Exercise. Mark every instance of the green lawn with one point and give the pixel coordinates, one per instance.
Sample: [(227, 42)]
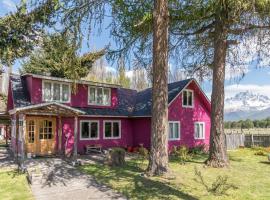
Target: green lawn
[(13, 186), (250, 174)]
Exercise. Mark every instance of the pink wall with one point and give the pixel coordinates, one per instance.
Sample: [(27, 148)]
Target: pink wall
[(78, 99), (68, 132), (10, 105), (187, 118)]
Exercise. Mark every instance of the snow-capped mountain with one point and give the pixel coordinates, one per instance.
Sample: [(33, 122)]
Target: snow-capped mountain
[(247, 105)]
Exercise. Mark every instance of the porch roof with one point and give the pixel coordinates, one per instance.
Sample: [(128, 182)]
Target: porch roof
[(51, 108)]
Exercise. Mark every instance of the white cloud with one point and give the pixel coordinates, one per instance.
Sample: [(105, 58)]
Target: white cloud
[(232, 90), (9, 5)]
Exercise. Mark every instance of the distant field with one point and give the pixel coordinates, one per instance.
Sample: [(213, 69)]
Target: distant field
[(249, 131)]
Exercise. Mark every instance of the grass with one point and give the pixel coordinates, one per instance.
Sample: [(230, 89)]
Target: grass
[(13, 185), (247, 172)]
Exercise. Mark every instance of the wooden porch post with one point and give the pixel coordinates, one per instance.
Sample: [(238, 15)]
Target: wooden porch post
[(60, 132), (22, 129), (75, 137)]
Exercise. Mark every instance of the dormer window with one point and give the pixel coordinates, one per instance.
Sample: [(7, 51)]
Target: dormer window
[(187, 98), (99, 96), (55, 91)]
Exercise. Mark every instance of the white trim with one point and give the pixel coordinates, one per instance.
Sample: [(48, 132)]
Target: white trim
[(72, 81), (89, 124), (179, 130), (201, 138), (112, 121), (188, 106), (96, 89), (52, 91), (13, 111)]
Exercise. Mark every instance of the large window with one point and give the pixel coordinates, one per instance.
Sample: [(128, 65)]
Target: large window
[(174, 130), (89, 130), (99, 96), (54, 91), (199, 130), (112, 129), (187, 98)]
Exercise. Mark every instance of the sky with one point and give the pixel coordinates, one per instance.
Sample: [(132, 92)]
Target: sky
[(256, 80)]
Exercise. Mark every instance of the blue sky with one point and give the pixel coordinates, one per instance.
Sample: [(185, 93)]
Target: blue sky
[(256, 80)]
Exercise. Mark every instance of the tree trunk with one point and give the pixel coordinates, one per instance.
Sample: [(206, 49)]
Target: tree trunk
[(218, 151), (158, 159)]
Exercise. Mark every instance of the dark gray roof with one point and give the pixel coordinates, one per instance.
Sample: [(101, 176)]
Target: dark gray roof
[(130, 102), (143, 104), (19, 90)]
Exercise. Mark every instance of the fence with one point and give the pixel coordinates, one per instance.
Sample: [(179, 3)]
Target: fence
[(234, 141)]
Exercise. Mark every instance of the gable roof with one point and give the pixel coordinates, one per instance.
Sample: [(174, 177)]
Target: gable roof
[(143, 104), (130, 102)]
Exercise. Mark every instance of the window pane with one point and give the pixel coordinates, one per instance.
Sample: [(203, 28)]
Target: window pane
[(116, 129), (201, 130), (108, 129), (94, 130), (92, 98), (190, 98), (65, 92), (185, 98), (56, 92), (47, 91), (99, 96), (197, 129), (106, 97), (85, 130), (176, 130), (170, 130)]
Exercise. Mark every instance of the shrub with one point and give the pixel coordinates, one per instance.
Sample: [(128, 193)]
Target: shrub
[(260, 153), (116, 157), (219, 187), (182, 153), (199, 149), (143, 152)]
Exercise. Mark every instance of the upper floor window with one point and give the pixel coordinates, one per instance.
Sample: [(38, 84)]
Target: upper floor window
[(199, 130), (99, 96), (188, 98), (54, 91), (174, 130)]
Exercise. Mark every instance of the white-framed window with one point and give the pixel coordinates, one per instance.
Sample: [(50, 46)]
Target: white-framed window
[(99, 96), (199, 132), (56, 91), (174, 130), (188, 98), (89, 130), (111, 129)]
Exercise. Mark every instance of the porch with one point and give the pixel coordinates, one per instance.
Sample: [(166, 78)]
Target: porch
[(37, 130)]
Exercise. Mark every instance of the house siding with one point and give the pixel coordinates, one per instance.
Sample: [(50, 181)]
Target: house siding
[(68, 134), (78, 99)]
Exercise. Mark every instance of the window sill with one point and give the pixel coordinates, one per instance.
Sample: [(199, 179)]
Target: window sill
[(86, 139), (112, 138), (175, 139)]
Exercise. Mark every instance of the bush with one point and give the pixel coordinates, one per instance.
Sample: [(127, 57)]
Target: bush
[(199, 149), (182, 153), (260, 153), (143, 152), (116, 157), (219, 187)]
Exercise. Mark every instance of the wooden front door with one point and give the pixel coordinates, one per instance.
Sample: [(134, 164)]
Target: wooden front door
[(40, 136)]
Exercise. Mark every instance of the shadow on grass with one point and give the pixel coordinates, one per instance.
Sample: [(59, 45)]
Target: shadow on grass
[(265, 162), (129, 181)]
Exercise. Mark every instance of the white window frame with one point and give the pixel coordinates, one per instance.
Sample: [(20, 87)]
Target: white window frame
[(89, 124), (112, 121), (203, 134), (179, 130), (95, 103), (52, 89), (188, 106)]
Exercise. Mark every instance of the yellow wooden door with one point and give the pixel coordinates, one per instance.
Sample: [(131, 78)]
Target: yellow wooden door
[(40, 135), (31, 136)]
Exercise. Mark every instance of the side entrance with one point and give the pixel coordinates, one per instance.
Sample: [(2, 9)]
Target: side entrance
[(40, 136)]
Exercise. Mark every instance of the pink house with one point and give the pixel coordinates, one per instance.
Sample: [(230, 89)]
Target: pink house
[(55, 115)]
